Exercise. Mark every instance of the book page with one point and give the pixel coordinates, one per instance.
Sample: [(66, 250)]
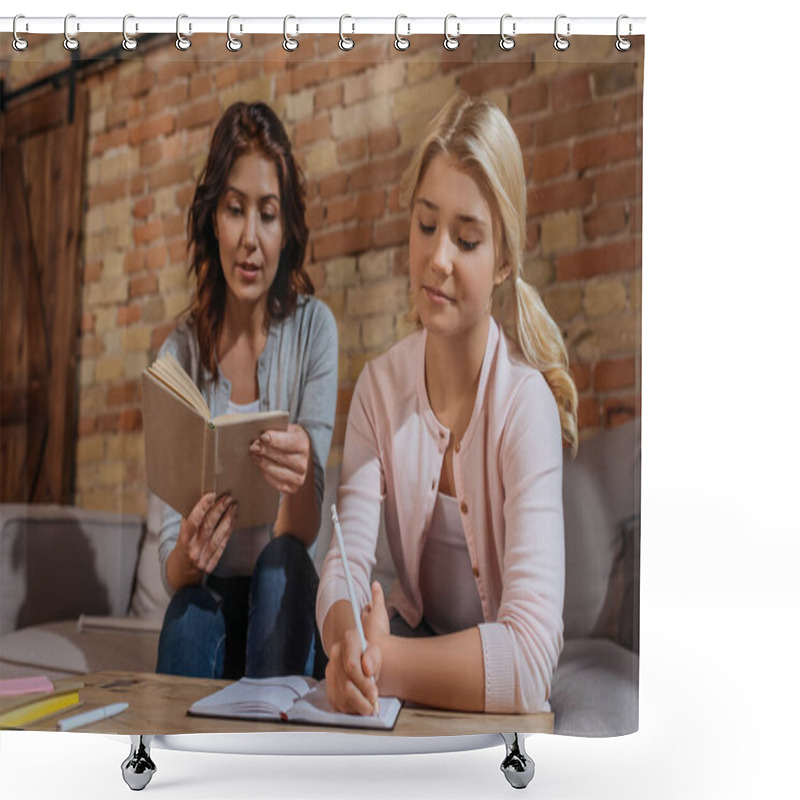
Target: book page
[(174, 376), (174, 445), (254, 698), (272, 420), (315, 708)]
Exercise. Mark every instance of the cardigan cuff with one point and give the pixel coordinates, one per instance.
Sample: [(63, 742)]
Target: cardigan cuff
[(498, 669)]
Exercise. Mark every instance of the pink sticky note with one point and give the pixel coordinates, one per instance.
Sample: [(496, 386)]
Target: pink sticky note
[(12, 686)]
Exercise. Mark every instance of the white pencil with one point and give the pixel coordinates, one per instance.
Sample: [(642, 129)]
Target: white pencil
[(350, 588), (88, 717), (351, 591)]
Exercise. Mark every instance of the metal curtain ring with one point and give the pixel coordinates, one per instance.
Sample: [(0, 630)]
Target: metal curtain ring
[(182, 43), (507, 42), (623, 44), (400, 42), (233, 44), (289, 44), (560, 42), (70, 42), (128, 42), (345, 42), (451, 42), (19, 44)]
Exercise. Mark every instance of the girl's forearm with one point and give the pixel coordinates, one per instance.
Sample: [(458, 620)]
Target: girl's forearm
[(338, 620), (438, 671)]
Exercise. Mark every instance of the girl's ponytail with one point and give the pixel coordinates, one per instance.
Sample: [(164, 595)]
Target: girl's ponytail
[(541, 343)]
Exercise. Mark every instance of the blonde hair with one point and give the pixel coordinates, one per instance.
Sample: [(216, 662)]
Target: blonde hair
[(479, 137)]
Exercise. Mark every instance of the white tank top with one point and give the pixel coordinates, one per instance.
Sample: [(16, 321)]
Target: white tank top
[(450, 599), (247, 408)]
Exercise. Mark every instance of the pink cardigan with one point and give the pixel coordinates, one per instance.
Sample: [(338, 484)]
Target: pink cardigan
[(507, 470)]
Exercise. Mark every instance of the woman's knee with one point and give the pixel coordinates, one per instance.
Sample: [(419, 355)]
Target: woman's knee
[(189, 608), (192, 597), (193, 635), (281, 632), (287, 554)]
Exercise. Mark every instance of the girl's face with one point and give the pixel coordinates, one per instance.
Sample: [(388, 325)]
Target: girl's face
[(453, 251), (249, 229)]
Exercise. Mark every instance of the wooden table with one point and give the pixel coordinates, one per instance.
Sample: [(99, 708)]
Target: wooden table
[(158, 705)]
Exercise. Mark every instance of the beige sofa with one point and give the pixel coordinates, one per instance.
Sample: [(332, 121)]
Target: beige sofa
[(80, 591)]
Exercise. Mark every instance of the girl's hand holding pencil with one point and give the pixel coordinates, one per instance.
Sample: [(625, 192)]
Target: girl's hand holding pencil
[(352, 673), (350, 681), (355, 658)]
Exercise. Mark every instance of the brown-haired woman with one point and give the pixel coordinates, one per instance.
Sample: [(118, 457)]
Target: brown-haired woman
[(253, 339)]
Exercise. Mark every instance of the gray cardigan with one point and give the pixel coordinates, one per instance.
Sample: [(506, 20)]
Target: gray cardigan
[(297, 372)]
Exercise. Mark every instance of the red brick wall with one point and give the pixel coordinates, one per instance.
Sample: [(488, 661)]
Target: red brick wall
[(354, 119)]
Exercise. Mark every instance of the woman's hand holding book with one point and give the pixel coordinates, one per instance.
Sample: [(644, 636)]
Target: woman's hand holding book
[(284, 457), (203, 536)]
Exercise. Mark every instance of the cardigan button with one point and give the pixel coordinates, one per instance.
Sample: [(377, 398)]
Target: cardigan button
[(463, 508), (476, 572), (458, 446)]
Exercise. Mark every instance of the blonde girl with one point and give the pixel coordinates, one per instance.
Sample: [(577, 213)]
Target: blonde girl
[(457, 432)]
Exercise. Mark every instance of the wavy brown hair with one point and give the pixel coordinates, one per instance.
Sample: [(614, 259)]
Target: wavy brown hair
[(244, 128)]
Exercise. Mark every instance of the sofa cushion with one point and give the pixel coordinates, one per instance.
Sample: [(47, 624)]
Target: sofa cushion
[(601, 495), (619, 617), (58, 562), (60, 648), (596, 689)]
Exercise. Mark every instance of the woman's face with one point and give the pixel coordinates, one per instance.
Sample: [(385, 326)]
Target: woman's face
[(249, 228), (453, 249)]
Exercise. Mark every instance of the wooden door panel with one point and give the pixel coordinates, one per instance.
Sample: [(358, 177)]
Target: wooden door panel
[(40, 215), (25, 357)]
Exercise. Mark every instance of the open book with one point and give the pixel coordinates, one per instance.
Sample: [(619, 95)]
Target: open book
[(294, 698), (187, 454)]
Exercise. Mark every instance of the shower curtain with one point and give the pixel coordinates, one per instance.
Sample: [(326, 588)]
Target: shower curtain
[(101, 151)]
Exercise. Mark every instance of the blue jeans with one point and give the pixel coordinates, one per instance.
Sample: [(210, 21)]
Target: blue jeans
[(260, 626)]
